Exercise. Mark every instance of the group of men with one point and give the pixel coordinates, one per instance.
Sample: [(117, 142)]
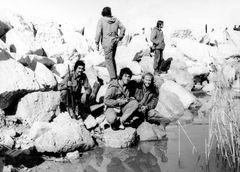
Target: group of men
[(126, 100)]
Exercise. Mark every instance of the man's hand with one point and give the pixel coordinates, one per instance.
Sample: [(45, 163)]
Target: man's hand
[(97, 47), (122, 101), (69, 83), (84, 98), (144, 109)]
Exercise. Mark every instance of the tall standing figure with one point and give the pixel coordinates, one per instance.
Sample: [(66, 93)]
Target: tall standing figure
[(107, 32), (157, 39)]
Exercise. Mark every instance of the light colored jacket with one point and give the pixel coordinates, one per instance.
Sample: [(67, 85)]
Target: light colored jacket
[(157, 38), (107, 31)]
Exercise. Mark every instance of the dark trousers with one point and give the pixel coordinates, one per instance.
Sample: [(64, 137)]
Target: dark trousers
[(110, 62), (80, 108), (158, 59)]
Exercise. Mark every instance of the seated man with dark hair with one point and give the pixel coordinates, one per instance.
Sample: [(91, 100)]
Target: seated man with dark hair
[(118, 100), (79, 101)]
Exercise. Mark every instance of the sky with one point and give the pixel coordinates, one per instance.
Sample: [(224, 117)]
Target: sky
[(134, 14)]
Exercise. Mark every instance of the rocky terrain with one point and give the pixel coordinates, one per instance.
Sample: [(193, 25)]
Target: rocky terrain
[(34, 58)]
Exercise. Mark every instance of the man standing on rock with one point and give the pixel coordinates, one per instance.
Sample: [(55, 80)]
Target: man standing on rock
[(157, 39), (118, 100), (76, 92), (107, 33)]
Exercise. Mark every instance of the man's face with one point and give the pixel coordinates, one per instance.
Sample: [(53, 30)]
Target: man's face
[(147, 80), (79, 70), (126, 78), (160, 25)]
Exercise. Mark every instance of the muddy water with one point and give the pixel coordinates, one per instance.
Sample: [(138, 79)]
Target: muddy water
[(152, 156)]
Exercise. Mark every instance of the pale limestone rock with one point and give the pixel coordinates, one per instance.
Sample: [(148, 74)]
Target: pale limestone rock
[(38, 106), (148, 132), (147, 64), (16, 80), (169, 106), (90, 122), (120, 138), (60, 70), (18, 42), (44, 76), (73, 155), (38, 129), (185, 96), (66, 135)]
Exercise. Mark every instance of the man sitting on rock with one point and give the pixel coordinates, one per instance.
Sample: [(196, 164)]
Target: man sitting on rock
[(73, 97), (118, 100), (147, 94)]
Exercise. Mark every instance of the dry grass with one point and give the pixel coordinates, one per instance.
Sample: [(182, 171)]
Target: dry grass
[(224, 123)]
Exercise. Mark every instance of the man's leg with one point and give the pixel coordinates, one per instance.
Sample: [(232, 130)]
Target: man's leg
[(96, 87), (156, 61), (110, 62), (161, 60), (128, 110), (111, 115)]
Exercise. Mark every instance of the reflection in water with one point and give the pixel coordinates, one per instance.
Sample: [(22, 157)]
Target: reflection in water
[(145, 160), (144, 157), (152, 156)]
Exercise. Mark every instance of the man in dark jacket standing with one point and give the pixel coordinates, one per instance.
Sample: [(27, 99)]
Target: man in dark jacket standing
[(107, 33), (157, 39)]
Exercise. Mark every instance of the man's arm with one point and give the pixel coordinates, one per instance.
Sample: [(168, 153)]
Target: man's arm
[(153, 37), (87, 86), (109, 98), (154, 101), (98, 32)]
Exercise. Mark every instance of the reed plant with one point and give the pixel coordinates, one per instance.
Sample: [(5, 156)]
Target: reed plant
[(224, 128)]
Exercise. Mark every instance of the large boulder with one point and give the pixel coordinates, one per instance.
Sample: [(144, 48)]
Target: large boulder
[(44, 76), (149, 132), (119, 138), (31, 61), (93, 58), (185, 96), (38, 106), (195, 51), (169, 107), (180, 74), (4, 28), (146, 64), (65, 135), (18, 42), (16, 80)]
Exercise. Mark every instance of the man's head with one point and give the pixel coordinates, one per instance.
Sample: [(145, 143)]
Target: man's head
[(160, 24), (79, 67), (147, 79), (106, 12), (125, 75)]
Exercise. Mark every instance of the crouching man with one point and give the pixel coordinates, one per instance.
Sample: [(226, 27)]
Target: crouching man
[(118, 101), (76, 92), (147, 95)]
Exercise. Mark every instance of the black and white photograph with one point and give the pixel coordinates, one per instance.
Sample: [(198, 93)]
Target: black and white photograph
[(120, 86)]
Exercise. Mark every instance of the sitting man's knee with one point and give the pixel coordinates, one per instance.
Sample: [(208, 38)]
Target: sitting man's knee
[(134, 103), (111, 115)]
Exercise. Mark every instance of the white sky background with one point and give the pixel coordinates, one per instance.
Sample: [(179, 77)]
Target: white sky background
[(134, 14)]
